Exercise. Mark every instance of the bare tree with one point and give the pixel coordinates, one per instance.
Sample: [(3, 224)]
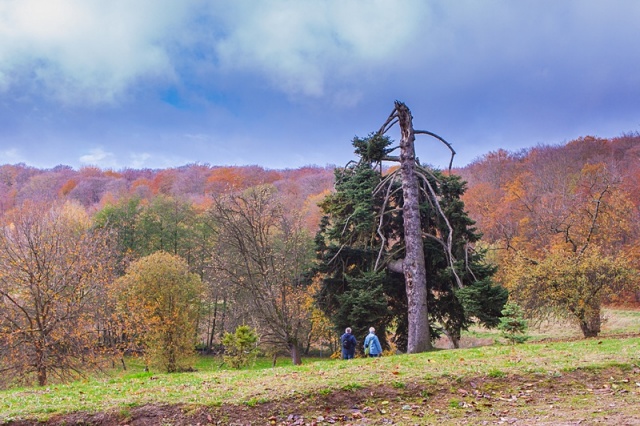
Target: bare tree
[(263, 252), (53, 270)]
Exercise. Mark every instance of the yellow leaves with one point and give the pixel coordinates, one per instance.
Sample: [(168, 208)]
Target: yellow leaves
[(53, 271), (569, 283), (159, 301)]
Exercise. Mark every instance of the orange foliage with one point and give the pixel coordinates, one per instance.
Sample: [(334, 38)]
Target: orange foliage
[(226, 179), (312, 212), (90, 171), (142, 182), (68, 187), (55, 272), (163, 181), (552, 198), (112, 174)]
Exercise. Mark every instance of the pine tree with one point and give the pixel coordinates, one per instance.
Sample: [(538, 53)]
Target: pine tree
[(240, 347), (513, 326), (361, 236)]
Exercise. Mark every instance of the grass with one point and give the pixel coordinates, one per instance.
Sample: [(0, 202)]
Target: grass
[(615, 322), (250, 387), (214, 385)]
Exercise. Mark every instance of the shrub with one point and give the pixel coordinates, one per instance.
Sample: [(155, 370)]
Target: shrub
[(240, 348), (513, 326)]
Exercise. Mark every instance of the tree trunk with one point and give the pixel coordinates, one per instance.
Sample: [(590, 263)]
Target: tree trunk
[(40, 362), (590, 324), (296, 356), (42, 375), (414, 266), (454, 338), (224, 314), (213, 323)]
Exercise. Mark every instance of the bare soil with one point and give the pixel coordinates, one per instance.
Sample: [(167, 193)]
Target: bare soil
[(584, 397)]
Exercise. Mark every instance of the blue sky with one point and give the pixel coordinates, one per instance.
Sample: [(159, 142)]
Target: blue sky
[(288, 83)]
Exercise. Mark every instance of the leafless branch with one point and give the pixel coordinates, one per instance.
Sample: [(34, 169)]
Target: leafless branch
[(449, 243), (391, 121), (592, 228), (426, 132), (379, 230), (383, 182)]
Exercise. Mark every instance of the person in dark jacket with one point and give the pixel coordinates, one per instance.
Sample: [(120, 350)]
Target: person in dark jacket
[(348, 342), (372, 343)]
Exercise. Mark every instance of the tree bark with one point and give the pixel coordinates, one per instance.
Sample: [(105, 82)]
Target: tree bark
[(213, 324), (419, 339), (41, 365), (296, 355), (590, 324)]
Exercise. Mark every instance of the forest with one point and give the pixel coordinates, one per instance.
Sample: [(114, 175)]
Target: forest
[(97, 264)]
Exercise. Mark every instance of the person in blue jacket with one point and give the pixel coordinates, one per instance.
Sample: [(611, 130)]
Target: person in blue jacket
[(348, 342), (372, 342)]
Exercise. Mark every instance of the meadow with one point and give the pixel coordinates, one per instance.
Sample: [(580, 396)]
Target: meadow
[(556, 377)]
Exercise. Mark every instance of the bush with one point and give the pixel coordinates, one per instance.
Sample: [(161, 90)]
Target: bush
[(159, 301), (513, 326), (240, 348)]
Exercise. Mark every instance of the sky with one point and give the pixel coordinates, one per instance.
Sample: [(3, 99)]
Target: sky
[(289, 83)]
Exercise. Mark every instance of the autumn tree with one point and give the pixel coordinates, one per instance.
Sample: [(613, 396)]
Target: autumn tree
[(262, 253), (573, 285), (54, 270), (159, 302), (559, 216)]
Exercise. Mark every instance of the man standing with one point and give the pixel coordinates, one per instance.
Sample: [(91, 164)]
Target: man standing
[(349, 343)]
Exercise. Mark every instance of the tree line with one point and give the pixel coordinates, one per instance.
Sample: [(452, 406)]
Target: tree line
[(562, 224)]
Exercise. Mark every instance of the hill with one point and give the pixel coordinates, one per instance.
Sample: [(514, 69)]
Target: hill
[(592, 381)]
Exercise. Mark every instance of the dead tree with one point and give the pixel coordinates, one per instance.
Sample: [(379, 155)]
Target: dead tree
[(413, 264)]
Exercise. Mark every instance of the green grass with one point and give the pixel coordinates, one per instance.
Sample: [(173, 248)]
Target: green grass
[(250, 387), (214, 385)]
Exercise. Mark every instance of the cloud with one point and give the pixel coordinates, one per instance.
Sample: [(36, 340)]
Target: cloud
[(11, 155), (301, 47), (139, 161), (81, 51), (99, 157), (465, 60)]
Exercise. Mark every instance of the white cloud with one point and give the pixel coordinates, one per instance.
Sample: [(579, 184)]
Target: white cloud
[(12, 156), (95, 51), (99, 157), (85, 50), (302, 45), (139, 160)]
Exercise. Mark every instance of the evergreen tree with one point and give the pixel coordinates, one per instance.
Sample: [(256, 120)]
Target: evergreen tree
[(361, 236), (240, 347), (513, 326)]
